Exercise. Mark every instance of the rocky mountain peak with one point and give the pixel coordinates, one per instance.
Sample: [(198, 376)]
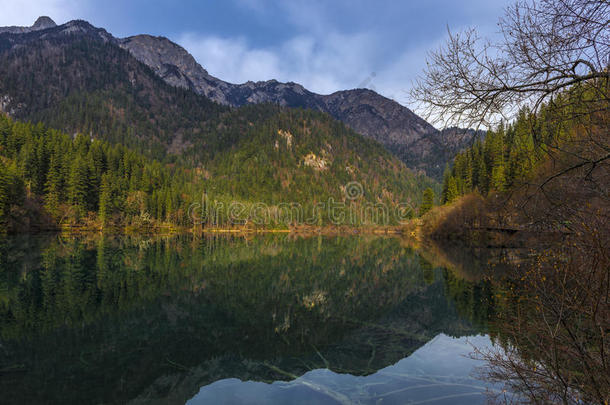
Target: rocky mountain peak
[(174, 65), (43, 22), (45, 28)]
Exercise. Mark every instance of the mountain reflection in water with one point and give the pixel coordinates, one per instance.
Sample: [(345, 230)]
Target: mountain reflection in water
[(172, 319), (438, 372)]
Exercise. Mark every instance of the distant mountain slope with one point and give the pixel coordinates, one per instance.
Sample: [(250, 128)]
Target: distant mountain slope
[(75, 77), (365, 111)]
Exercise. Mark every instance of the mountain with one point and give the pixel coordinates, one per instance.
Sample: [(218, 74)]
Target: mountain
[(78, 79), (400, 130), (365, 111)]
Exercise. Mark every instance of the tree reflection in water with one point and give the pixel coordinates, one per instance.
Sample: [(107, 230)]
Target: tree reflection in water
[(113, 319)]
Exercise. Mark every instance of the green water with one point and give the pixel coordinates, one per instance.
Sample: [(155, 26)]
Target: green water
[(273, 319)]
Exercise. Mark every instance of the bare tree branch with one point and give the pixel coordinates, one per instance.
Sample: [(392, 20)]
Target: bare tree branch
[(546, 47)]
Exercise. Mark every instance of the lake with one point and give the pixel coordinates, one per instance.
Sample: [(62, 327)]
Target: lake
[(229, 320)]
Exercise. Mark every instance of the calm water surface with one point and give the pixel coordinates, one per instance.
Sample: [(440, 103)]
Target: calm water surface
[(272, 319)]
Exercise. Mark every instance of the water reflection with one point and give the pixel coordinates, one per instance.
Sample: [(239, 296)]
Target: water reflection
[(147, 320), (434, 373)]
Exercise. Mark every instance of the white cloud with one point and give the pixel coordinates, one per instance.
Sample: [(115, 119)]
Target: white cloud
[(230, 58), (324, 59), (308, 14), (25, 12), (395, 79), (325, 64)]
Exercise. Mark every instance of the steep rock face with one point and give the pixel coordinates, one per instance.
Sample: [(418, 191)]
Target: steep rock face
[(41, 23), (176, 66), (364, 110), (377, 117)]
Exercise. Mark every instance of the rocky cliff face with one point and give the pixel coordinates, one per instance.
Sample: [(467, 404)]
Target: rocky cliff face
[(377, 117), (176, 66), (41, 23)]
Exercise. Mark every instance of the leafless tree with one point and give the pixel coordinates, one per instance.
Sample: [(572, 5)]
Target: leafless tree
[(545, 47)]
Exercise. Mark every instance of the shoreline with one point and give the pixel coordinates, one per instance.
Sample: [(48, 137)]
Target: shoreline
[(177, 230)]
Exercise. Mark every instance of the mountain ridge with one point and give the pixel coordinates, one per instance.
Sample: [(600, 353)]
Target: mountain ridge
[(396, 127), (413, 140)]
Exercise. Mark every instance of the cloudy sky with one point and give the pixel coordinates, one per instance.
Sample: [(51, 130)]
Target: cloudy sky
[(324, 45)]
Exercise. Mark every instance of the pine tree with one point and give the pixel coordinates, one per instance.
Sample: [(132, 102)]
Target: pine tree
[(446, 176), (522, 153), (452, 191), (4, 197), (482, 179), (53, 186), (77, 185), (12, 189), (497, 180), (466, 173), (105, 209), (427, 201)]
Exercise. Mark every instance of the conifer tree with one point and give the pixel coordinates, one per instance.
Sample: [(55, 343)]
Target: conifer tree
[(4, 197), (522, 153), (77, 185), (105, 204), (497, 180), (452, 191), (427, 201), (446, 176), (482, 176), (53, 186)]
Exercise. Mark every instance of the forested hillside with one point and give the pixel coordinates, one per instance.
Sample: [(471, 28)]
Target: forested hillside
[(48, 178), (517, 154), (80, 78), (46, 173), (400, 130)]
